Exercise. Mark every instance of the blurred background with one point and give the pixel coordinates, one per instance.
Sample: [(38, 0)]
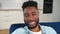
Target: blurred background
[(11, 12)]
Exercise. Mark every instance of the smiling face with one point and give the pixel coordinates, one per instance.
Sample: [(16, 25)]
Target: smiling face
[(31, 16)]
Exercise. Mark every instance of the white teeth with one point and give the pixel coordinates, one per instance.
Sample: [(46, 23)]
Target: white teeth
[(32, 22)]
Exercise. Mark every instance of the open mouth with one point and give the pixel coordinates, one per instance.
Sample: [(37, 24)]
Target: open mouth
[(32, 23)]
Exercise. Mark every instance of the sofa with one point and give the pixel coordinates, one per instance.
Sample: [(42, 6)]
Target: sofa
[(54, 25)]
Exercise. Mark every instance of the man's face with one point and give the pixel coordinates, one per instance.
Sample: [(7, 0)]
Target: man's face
[(31, 16)]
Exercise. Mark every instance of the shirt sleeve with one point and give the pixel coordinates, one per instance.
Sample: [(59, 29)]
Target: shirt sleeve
[(50, 30), (19, 31)]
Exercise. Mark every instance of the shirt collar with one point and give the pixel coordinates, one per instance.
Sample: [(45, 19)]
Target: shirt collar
[(42, 29)]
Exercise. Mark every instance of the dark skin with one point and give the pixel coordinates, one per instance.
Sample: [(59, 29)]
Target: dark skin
[(31, 18)]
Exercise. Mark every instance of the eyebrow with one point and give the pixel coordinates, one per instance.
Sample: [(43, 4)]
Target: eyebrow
[(33, 12), (25, 13)]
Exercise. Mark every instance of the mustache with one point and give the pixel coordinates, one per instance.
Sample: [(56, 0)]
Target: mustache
[(31, 21)]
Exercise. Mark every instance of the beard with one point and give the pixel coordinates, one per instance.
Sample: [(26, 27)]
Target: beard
[(32, 26)]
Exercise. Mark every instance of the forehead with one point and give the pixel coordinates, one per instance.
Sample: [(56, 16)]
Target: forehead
[(30, 9)]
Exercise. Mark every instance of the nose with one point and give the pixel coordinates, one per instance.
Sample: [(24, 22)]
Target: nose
[(31, 17)]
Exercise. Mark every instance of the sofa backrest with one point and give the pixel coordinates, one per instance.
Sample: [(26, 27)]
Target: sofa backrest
[(54, 25)]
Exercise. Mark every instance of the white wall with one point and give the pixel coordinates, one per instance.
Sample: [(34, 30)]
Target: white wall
[(11, 4), (9, 17), (55, 16)]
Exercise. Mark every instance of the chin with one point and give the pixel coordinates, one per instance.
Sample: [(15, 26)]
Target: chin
[(32, 27)]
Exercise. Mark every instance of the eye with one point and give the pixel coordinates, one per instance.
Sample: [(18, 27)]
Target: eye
[(34, 14), (26, 15)]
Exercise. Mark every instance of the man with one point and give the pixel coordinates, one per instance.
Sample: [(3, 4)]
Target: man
[(31, 18)]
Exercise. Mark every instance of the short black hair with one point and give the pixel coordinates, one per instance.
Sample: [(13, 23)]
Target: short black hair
[(29, 3)]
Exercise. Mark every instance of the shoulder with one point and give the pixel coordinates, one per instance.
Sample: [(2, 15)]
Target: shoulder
[(19, 30), (48, 29)]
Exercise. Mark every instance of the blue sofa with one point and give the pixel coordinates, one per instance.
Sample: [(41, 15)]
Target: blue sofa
[(55, 25)]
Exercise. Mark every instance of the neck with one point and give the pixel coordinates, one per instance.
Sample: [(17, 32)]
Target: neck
[(36, 29)]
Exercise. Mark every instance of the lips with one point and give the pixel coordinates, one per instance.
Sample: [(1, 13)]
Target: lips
[(32, 23)]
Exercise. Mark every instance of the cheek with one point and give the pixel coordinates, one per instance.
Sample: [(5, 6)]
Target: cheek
[(36, 17), (25, 18)]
